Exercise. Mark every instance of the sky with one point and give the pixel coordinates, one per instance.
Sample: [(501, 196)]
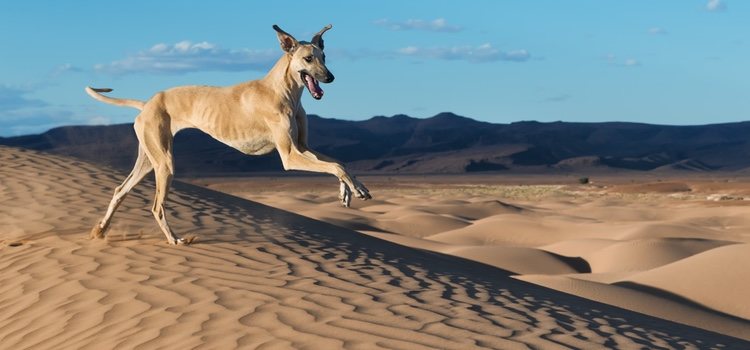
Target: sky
[(678, 62)]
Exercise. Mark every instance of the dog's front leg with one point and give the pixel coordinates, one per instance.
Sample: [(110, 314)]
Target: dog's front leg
[(345, 192), (294, 159)]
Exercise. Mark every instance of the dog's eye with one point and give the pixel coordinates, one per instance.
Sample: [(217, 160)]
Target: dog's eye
[(308, 59)]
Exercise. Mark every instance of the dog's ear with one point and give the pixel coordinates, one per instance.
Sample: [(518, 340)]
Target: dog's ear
[(317, 39), (287, 41)]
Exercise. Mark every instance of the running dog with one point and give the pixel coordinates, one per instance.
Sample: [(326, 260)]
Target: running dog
[(254, 117)]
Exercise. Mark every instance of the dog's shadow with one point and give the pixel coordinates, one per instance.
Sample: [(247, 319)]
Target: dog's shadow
[(487, 288)]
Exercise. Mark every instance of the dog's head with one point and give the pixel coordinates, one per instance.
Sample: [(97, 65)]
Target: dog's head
[(307, 59)]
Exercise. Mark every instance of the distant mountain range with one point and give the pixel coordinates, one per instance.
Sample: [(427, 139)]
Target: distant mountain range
[(445, 143)]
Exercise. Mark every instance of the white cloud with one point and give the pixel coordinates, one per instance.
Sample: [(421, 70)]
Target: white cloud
[(716, 5), (21, 115), (13, 98), (558, 98), (481, 53), (34, 120), (435, 25), (628, 62), (631, 62), (99, 120), (186, 56), (64, 68), (409, 50), (657, 31), (517, 55), (358, 54)]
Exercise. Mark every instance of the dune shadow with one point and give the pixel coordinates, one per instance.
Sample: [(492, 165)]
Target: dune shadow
[(677, 298), (580, 265), (487, 288)]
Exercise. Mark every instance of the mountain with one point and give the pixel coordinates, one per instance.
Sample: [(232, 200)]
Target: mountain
[(444, 143)]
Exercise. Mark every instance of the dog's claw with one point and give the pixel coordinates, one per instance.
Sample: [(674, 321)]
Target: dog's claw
[(345, 192), (187, 240), (362, 191)]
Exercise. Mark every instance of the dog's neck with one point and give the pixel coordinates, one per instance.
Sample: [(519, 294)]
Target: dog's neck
[(284, 81)]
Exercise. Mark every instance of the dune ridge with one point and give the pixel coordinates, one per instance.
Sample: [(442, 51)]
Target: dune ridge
[(260, 277)]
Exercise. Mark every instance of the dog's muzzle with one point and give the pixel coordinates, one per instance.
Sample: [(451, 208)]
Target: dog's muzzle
[(312, 85)]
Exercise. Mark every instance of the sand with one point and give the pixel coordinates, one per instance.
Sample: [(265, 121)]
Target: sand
[(652, 245), (263, 277)]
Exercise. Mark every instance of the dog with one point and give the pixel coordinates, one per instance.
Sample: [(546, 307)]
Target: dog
[(254, 117)]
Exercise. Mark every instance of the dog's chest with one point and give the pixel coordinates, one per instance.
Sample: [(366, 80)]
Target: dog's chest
[(255, 147)]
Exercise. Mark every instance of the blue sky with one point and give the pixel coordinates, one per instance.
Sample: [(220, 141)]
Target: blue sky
[(667, 61)]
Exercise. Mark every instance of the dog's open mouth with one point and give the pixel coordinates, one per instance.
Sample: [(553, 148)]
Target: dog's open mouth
[(313, 85)]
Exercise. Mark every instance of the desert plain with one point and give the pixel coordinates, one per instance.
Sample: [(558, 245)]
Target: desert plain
[(629, 260)]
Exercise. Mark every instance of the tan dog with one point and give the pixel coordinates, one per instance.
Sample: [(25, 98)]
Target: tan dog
[(253, 117)]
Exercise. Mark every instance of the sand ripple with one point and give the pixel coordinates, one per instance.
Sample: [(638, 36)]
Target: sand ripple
[(260, 277)]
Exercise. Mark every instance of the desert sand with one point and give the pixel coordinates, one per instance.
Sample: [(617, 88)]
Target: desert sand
[(657, 244), (464, 272)]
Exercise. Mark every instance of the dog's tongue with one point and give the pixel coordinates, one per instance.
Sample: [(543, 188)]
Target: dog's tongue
[(313, 86)]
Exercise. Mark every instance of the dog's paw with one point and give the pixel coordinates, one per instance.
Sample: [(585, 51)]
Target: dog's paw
[(345, 194), (97, 232), (361, 191), (182, 241)]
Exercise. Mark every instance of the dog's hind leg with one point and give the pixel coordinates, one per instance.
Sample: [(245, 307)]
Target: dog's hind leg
[(141, 168), (153, 128)]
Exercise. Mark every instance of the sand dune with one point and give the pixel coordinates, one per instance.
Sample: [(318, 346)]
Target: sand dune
[(646, 301), (516, 229), (606, 243), (646, 254), (716, 272), (519, 260), (260, 277), (420, 225)]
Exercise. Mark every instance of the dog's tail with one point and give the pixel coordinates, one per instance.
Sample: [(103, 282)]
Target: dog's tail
[(96, 94)]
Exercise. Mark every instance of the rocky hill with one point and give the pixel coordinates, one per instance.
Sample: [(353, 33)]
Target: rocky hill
[(444, 143)]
